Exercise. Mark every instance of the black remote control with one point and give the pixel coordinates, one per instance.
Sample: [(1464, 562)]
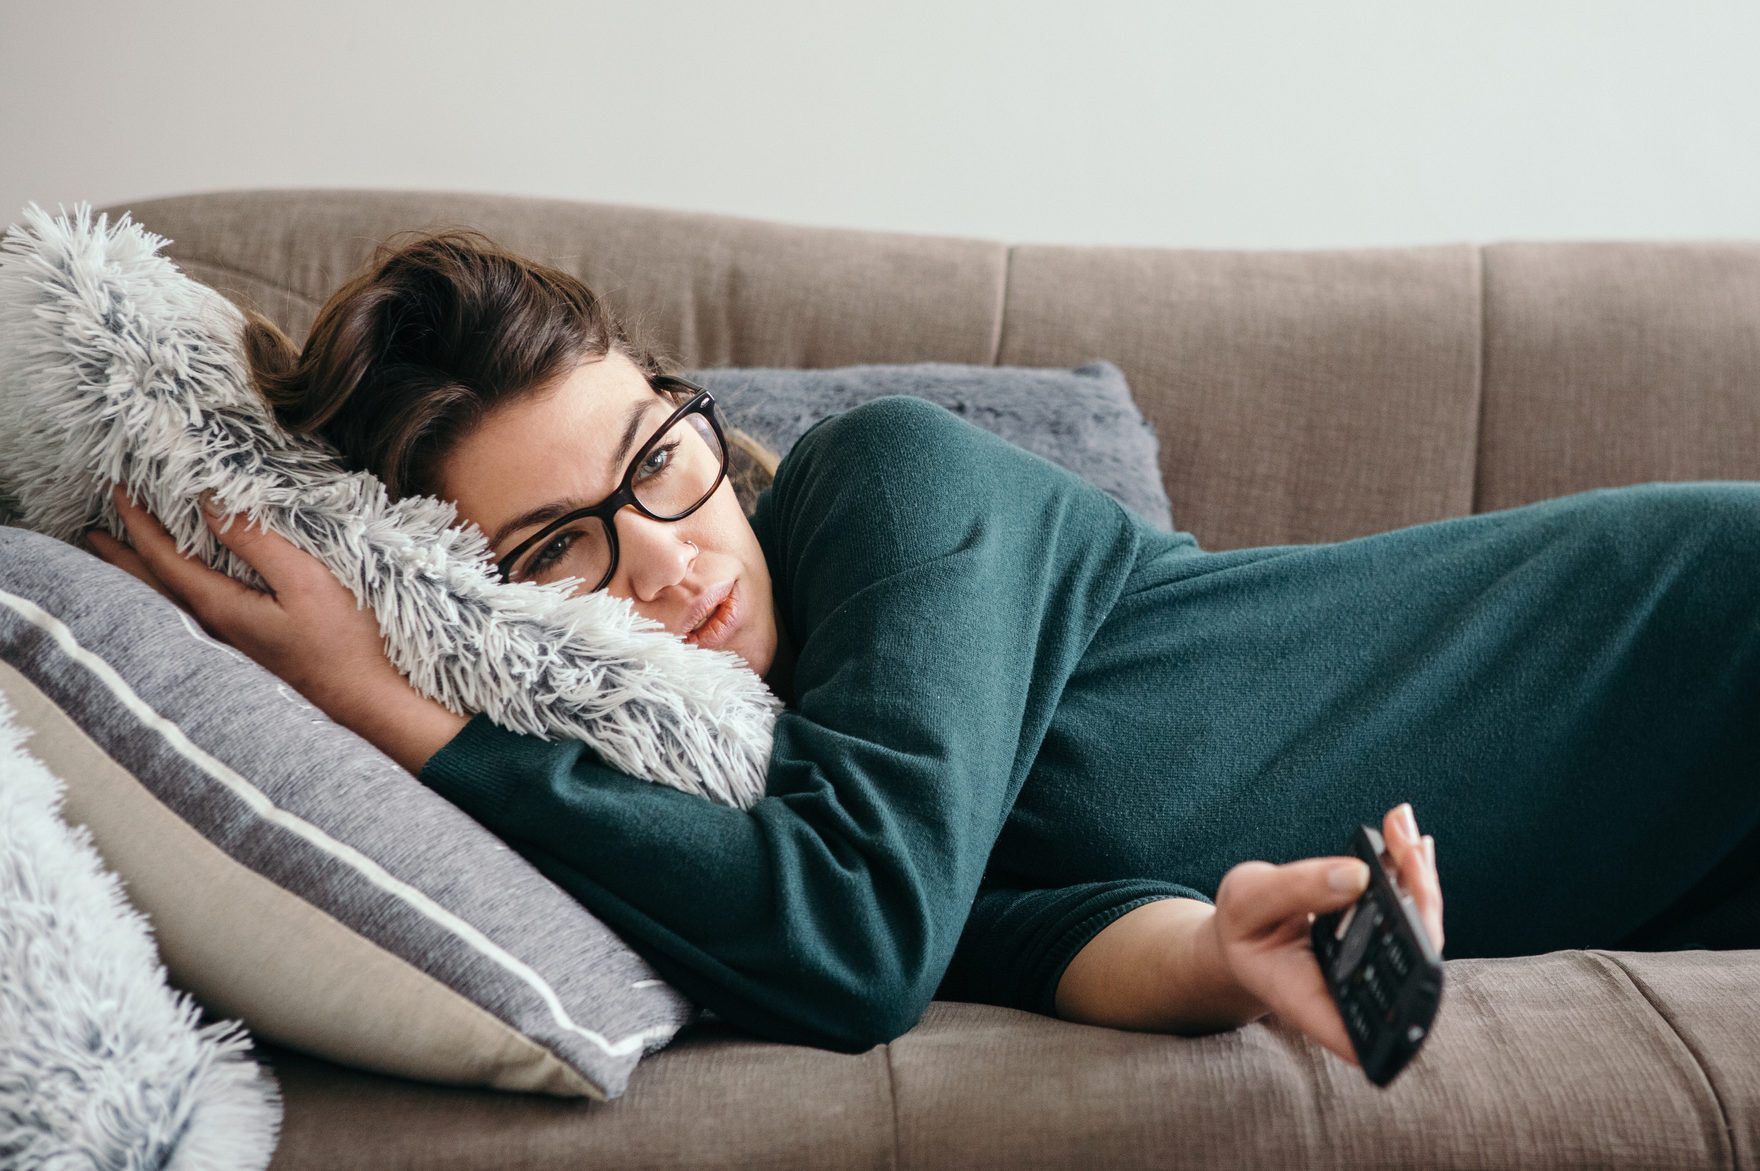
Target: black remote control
[(1383, 972)]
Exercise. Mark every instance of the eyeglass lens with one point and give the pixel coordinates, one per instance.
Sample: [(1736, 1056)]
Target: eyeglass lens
[(673, 476)]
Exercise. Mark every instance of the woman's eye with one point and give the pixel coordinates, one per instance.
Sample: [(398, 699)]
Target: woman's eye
[(648, 469), (551, 553)]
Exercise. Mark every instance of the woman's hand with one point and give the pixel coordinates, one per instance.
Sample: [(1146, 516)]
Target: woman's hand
[(1264, 913), (308, 630)]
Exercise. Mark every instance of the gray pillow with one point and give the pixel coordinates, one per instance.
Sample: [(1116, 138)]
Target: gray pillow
[(297, 878), (1084, 419)]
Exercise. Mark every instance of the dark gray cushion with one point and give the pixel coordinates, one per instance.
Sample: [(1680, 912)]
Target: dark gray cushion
[(1084, 419)]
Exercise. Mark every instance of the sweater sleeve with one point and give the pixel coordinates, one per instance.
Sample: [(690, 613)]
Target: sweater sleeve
[(940, 585), (1017, 943)]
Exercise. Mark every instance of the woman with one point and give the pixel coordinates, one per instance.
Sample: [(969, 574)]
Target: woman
[(1026, 732)]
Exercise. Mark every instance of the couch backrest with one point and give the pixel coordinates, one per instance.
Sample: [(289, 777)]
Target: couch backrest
[(1299, 395)]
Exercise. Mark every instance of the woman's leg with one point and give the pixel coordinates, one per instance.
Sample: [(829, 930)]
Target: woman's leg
[(1568, 692), (1719, 536), (1721, 911), (1609, 735)]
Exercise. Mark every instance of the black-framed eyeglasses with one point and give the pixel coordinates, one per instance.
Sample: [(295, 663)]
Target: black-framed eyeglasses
[(672, 475)]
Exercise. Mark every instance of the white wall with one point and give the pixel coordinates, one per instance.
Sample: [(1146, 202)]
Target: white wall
[(1215, 124)]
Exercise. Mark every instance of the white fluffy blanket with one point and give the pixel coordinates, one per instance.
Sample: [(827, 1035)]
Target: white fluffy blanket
[(101, 1064)]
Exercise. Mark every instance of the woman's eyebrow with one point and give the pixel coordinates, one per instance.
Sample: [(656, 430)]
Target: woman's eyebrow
[(535, 516), (555, 508), (633, 420)]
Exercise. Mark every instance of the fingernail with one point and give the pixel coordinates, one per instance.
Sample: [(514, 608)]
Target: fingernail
[(1430, 848), (1407, 822), (1352, 877)]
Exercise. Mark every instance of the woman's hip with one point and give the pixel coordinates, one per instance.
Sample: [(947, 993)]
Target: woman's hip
[(1568, 692)]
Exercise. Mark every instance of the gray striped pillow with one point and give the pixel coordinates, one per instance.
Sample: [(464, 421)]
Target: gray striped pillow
[(297, 878)]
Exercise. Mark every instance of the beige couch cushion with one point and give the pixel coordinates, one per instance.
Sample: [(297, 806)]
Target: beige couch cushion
[(1617, 364), (1570, 1059)]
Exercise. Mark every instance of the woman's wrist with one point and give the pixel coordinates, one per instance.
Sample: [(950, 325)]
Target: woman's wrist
[(407, 726), (1228, 1003)]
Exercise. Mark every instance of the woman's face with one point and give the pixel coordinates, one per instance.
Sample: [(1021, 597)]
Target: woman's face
[(559, 448)]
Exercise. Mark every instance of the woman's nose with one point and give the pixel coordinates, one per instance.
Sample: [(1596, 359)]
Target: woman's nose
[(654, 553)]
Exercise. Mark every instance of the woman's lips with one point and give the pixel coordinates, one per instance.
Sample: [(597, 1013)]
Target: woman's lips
[(718, 627)]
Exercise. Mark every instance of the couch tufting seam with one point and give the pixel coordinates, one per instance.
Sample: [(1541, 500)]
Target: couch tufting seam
[(892, 1097), (1479, 401), (1699, 1062), (1002, 303)]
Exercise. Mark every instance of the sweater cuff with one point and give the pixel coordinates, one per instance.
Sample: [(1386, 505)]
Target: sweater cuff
[(479, 768)]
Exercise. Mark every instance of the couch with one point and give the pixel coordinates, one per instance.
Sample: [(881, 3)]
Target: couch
[(1299, 396)]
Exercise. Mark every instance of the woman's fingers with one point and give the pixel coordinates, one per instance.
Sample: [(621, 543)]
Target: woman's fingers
[(1435, 908), (1260, 901), (121, 556), (1263, 919), (280, 563), (212, 596), (1415, 861)]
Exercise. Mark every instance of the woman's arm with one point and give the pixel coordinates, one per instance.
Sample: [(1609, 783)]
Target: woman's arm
[(1179, 965), (407, 726), (1157, 968)]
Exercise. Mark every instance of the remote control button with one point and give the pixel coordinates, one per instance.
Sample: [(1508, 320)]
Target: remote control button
[(1415, 1034), (1374, 997), (1344, 921)]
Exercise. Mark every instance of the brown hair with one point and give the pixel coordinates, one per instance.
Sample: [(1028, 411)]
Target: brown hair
[(430, 336)]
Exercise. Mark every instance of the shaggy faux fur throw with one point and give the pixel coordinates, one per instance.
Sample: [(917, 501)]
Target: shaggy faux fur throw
[(115, 367), (101, 1064)]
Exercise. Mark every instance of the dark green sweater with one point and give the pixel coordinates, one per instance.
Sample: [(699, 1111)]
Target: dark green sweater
[(940, 585), (1019, 711)]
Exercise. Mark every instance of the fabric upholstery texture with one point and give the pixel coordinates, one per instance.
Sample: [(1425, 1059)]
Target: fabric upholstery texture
[(1617, 364), (1298, 396), (1562, 1060)]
